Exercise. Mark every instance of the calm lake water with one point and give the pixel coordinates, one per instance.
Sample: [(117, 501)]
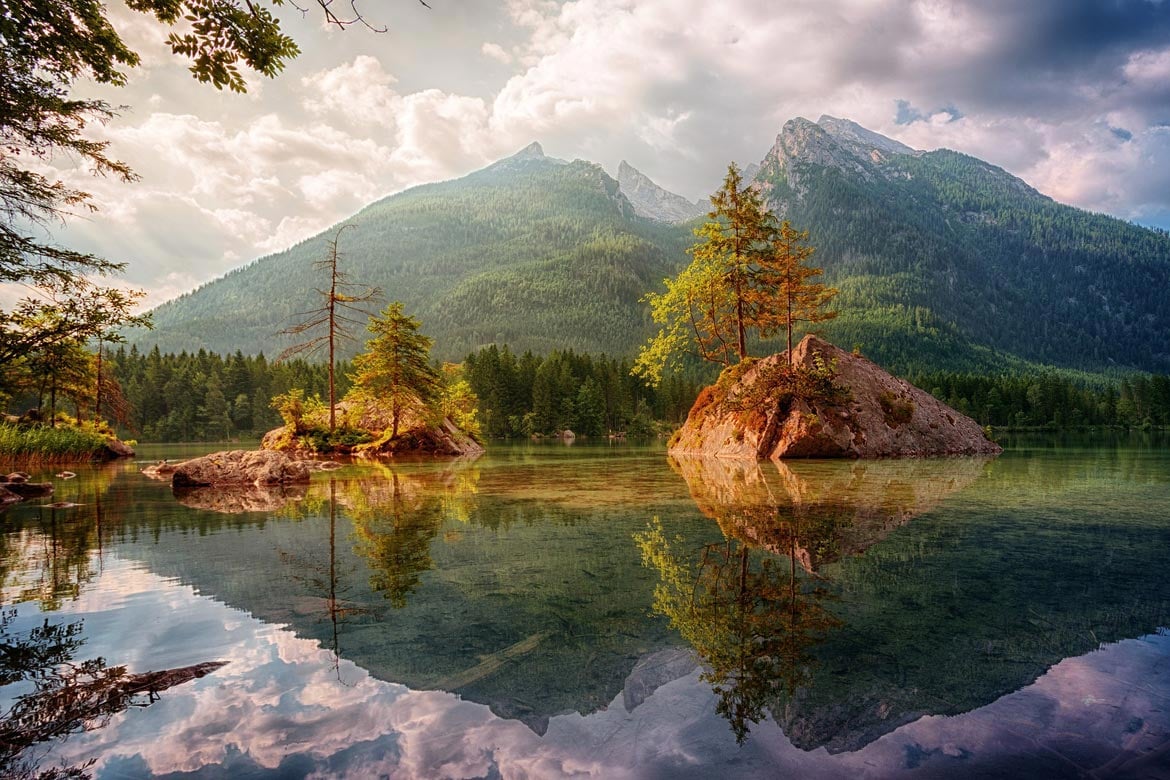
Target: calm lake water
[(552, 611)]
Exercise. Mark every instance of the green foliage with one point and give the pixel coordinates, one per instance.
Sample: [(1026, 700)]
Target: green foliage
[(536, 254), (40, 442), (945, 262), (1051, 400), (396, 368), (589, 395), (747, 273), (291, 406)]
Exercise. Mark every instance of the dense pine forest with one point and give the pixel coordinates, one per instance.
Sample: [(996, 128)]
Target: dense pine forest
[(205, 396), (209, 397)]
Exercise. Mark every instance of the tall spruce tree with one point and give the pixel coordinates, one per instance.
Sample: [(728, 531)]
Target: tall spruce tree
[(396, 367), (342, 296), (747, 273), (782, 293)]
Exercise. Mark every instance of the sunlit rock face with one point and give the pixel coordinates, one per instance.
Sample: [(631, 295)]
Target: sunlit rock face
[(240, 467), (878, 415)]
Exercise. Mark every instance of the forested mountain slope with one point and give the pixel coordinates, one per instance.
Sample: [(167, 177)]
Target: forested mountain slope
[(944, 259), (531, 251), (944, 262)]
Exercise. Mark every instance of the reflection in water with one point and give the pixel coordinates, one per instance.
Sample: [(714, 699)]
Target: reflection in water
[(821, 511), (750, 619), (513, 583), (65, 697)]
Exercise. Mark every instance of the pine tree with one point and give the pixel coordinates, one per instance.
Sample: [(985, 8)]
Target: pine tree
[(396, 365), (341, 297), (782, 293)]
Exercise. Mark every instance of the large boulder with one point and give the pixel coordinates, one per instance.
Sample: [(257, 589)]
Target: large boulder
[(875, 415), (115, 449), (240, 467)]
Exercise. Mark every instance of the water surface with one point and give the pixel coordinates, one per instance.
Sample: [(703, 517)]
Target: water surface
[(551, 611)]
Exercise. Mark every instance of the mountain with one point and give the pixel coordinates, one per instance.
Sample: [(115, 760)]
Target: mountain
[(947, 260), (944, 262), (531, 251), (651, 201)]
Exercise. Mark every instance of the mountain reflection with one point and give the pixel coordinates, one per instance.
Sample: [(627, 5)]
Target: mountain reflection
[(888, 620), (750, 617)]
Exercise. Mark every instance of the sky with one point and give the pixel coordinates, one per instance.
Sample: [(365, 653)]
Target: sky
[(1072, 96)]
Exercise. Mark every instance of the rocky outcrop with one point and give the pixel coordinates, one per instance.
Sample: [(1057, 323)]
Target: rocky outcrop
[(876, 416), (444, 439), (240, 467), (116, 449), (416, 435), (653, 202)]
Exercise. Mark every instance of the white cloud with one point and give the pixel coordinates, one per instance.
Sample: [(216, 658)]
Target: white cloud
[(678, 87), (496, 52)]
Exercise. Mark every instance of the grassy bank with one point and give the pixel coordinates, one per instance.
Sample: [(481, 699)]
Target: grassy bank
[(39, 444)]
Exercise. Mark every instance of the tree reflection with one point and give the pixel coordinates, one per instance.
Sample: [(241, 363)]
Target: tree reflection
[(66, 697), (748, 615), (754, 606), (396, 538)]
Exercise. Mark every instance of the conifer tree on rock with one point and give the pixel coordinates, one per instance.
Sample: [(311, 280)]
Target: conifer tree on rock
[(396, 368)]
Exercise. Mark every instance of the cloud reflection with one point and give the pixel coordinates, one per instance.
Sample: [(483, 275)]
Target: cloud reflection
[(279, 710)]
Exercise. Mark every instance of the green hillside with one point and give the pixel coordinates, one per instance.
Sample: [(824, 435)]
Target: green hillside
[(531, 251), (947, 260), (944, 262)]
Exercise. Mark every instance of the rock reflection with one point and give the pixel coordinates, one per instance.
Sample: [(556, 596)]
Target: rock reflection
[(237, 499), (751, 617), (820, 512)]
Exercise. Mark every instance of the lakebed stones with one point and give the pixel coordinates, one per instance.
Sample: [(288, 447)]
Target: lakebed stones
[(876, 416)]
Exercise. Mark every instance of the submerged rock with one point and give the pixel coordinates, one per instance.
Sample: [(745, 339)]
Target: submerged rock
[(240, 467), (8, 498), (29, 489), (877, 415)]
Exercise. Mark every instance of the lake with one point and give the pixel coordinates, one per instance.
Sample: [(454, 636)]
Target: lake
[(601, 611)]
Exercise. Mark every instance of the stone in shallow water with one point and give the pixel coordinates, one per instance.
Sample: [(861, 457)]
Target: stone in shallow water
[(240, 467)]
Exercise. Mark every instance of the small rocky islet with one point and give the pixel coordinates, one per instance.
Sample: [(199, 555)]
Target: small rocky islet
[(869, 414)]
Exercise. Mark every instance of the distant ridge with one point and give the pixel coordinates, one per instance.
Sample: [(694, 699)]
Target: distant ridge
[(944, 262), (653, 202)]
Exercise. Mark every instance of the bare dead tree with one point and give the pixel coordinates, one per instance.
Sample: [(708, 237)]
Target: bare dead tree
[(342, 298)]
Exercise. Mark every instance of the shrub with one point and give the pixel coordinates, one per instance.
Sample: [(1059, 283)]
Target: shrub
[(898, 411), (38, 442)]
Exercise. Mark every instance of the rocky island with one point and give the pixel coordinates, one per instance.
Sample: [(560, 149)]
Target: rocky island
[(748, 414)]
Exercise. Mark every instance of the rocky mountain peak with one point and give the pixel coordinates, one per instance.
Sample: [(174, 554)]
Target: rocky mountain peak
[(653, 202), (851, 134), (531, 152)]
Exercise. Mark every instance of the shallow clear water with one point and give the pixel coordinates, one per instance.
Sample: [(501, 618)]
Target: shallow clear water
[(551, 611)]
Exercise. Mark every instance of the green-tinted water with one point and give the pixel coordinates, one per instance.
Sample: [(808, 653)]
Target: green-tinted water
[(548, 611)]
